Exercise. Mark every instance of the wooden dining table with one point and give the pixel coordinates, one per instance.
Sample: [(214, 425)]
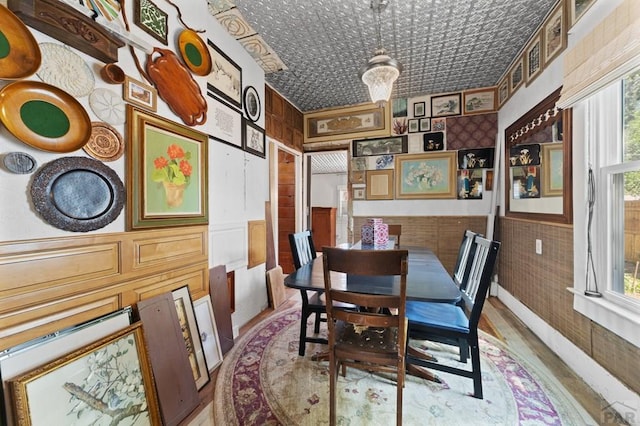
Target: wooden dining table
[(427, 280)]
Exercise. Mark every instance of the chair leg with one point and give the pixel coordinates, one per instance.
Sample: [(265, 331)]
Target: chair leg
[(400, 385), (477, 374), (463, 345), (333, 381), (316, 324), (303, 332)]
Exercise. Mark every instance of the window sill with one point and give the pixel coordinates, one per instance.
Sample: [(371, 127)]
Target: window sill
[(612, 316)]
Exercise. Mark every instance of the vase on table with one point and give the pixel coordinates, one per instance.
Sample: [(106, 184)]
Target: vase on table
[(174, 193)]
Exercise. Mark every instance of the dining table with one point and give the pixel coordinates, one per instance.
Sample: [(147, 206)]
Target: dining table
[(427, 280)]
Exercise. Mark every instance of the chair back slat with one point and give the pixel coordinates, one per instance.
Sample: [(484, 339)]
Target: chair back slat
[(302, 248), (464, 255), (479, 278), (395, 231)]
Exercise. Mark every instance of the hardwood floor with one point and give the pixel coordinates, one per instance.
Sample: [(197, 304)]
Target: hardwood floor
[(502, 324)]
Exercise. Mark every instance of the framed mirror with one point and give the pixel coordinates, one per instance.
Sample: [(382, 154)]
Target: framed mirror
[(538, 164)]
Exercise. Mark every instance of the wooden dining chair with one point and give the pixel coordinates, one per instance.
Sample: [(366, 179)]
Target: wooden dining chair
[(303, 251), (373, 338), (443, 321), (395, 231), (461, 269)]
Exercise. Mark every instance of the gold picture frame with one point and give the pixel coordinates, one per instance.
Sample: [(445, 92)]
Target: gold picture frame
[(554, 34), (166, 172), (516, 75), (380, 184), (72, 387), (479, 101), (533, 59), (552, 170), (358, 121), (428, 175)]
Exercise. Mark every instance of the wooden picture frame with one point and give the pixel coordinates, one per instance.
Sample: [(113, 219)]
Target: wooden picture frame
[(516, 75), (359, 193), (140, 94), (428, 175), (554, 34), (425, 124), (256, 243), (191, 335), (224, 123), (208, 332), (73, 389), (251, 103), (479, 101), (166, 172), (360, 121), (225, 78), (533, 59), (552, 169), (577, 8), (419, 109), (380, 184), (503, 91), (380, 146), (151, 19), (253, 139), (357, 176), (414, 125), (446, 105)]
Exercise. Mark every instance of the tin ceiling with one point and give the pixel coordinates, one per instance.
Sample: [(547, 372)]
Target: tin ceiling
[(443, 45)]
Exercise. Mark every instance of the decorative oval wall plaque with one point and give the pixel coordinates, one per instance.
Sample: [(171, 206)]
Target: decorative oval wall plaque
[(19, 52), (105, 143), (19, 162), (194, 52), (65, 69), (77, 194)]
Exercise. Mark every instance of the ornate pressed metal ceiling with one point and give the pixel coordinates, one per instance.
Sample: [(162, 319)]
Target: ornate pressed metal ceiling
[(443, 45)]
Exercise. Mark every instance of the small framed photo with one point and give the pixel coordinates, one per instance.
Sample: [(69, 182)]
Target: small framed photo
[(503, 91), (419, 109), (516, 75), (140, 94), (359, 194), (414, 125), (555, 34), (208, 332), (533, 59), (425, 124), (380, 184), (251, 103), (438, 124), (357, 176), (479, 101), (469, 184), (151, 19), (577, 8), (445, 105), (433, 141), (253, 139)]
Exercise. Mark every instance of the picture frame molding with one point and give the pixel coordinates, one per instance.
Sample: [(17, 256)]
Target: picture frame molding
[(230, 134), (503, 91), (419, 109), (232, 94), (487, 97), (139, 171), (533, 57), (425, 124), (558, 15), (400, 145), (379, 176), (516, 75), (157, 33), (380, 118), (128, 96), (549, 189), (414, 125), (449, 190), (250, 97), (452, 98), (249, 130)]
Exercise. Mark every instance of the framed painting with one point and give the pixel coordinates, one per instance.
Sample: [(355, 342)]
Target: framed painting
[(552, 169), (360, 121), (479, 101), (445, 105), (438, 124), (478, 158), (469, 184), (251, 102), (359, 194), (166, 172), (106, 382), (533, 59), (516, 75), (555, 34), (357, 176), (140, 94), (577, 8), (208, 332), (191, 335), (399, 107), (253, 140), (400, 126), (524, 155), (425, 124), (224, 123), (414, 125), (419, 109), (151, 19), (433, 141), (503, 91), (428, 175), (225, 78), (380, 184), (380, 146), (525, 182), (488, 184)]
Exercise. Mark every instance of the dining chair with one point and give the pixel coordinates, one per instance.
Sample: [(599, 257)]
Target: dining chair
[(396, 231), (372, 338), (303, 251), (442, 321), (462, 262)]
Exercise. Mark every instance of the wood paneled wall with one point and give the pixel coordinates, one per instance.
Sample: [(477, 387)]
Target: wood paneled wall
[(51, 284), (540, 282), (283, 121), (442, 234)]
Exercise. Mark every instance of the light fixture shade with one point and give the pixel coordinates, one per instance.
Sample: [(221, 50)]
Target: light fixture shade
[(379, 75)]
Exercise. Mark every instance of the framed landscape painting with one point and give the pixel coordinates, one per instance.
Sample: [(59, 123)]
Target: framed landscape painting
[(555, 35), (479, 101), (429, 175), (445, 105)]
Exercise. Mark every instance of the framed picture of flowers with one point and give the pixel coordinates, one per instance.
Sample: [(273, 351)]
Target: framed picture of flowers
[(166, 172), (428, 175)]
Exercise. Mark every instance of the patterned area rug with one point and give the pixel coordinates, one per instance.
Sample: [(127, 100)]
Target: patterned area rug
[(263, 381)]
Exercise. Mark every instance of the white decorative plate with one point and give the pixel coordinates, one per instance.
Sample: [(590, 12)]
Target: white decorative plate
[(65, 70), (108, 106)]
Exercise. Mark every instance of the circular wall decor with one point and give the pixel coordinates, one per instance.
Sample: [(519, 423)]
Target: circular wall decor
[(108, 106), (19, 51), (77, 194), (105, 143), (65, 69), (251, 103), (19, 162), (44, 116), (194, 52)]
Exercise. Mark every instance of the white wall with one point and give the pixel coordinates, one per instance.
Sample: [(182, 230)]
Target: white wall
[(238, 181), (324, 189)]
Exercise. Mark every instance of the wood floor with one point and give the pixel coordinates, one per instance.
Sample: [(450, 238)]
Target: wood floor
[(504, 325)]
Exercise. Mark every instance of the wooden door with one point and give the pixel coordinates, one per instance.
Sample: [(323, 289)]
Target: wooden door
[(286, 208)]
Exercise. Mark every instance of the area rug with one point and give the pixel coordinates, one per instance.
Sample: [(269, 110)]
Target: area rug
[(263, 381)]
